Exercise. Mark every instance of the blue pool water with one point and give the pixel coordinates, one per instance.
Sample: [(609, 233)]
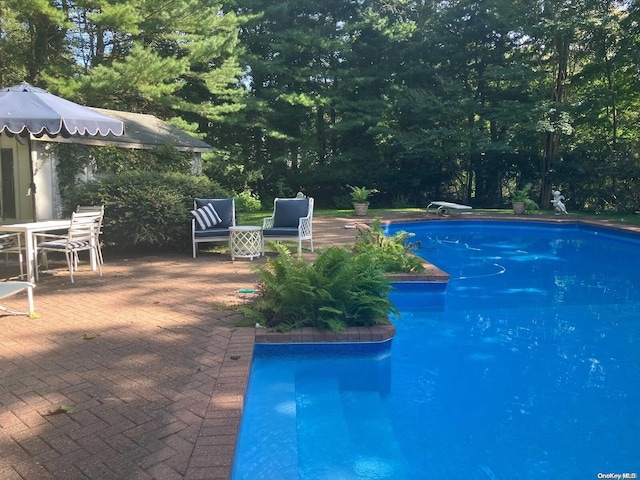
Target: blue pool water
[(526, 365)]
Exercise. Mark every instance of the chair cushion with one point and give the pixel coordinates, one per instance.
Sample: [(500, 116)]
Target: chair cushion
[(62, 244), (206, 216), (8, 242), (280, 232), (288, 211), (212, 233), (224, 208)]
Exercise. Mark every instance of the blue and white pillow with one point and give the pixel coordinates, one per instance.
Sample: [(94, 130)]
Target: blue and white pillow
[(206, 216)]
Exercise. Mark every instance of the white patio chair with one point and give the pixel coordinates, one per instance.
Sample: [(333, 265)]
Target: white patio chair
[(83, 234), (292, 220), (97, 209), (203, 229), (12, 243)]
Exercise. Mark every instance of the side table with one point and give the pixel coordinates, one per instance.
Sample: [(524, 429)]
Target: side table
[(245, 242)]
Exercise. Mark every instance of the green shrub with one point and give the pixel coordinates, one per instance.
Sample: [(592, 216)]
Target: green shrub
[(402, 201), (248, 202), (391, 254), (145, 210), (342, 202), (338, 290)]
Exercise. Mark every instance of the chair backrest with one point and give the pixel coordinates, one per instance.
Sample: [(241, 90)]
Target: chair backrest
[(10, 241), (93, 209), (90, 208), (287, 212), (85, 227), (225, 208)]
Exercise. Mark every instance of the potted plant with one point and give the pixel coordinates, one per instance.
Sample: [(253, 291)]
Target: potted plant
[(360, 197), (521, 201)]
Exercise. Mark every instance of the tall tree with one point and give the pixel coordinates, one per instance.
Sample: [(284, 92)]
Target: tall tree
[(34, 36), (556, 30), (295, 59), (172, 58), (14, 45), (461, 98)]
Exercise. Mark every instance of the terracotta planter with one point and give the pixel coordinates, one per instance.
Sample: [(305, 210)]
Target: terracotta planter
[(518, 208), (361, 209)]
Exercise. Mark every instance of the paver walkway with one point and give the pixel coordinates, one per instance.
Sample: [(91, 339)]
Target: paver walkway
[(138, 374)]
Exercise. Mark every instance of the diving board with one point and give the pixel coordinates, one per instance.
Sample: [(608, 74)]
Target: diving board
[(11, 288), (443, 208)]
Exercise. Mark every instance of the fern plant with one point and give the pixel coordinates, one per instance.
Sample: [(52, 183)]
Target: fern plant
[(338, 290), (524, 195), (361, 194), (391, 254)]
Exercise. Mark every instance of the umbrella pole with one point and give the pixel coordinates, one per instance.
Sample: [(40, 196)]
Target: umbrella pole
[(32, 186)]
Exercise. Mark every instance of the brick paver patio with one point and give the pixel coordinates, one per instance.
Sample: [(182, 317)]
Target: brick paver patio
[(138, 374)]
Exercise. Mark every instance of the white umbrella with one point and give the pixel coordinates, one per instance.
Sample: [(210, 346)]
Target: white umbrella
[(26, 110)]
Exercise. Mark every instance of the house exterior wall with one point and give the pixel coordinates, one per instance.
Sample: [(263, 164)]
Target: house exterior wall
[(21, 178), (48, 203)]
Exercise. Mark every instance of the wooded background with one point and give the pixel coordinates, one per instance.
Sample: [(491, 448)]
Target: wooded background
[(423, 100)]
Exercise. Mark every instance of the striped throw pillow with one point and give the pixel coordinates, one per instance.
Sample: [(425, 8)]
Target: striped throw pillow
[(206, 216)]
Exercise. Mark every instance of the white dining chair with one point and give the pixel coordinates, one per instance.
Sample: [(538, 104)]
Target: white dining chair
[(12, 243), (98, 209), (83, 235)]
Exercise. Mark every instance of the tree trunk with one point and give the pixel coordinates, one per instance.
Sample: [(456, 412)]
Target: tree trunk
[(561, 44)]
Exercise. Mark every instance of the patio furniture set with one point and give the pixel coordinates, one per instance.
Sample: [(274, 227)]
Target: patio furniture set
[(28, 240), (215, 221)]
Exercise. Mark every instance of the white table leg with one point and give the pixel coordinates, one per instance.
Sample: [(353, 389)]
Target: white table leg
[(32, 260)]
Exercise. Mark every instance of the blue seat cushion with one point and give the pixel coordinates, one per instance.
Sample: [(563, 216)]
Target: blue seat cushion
[(281, 232), (288, 211), (212, 232), (223, 207)]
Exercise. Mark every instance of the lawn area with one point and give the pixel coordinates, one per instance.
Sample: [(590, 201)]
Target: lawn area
[(255, 218)]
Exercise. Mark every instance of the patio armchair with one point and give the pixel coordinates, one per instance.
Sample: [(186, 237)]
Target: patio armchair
[(12, 243), (292, 220), (83, 235), (212, 219)]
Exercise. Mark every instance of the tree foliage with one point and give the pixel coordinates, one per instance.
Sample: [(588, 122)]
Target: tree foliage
[(460, 100)]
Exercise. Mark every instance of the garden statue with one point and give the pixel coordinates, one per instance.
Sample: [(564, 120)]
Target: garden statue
[(557, 203)]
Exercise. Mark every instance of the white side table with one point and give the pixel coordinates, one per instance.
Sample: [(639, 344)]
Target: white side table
[(245, 242)]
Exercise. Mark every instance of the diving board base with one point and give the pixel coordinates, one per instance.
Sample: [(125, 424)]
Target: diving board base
[(448, 208)]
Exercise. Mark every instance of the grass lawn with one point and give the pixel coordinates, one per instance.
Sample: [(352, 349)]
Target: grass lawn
[(255, 218)]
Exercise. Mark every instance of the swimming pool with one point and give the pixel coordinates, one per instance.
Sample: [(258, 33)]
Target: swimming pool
[(527, 365)]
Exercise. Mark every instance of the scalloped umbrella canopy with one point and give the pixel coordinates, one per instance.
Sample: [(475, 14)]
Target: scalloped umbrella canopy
[(26, 109), (31, 111)]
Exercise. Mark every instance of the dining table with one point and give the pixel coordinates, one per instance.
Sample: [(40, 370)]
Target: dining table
[(29, 231)]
